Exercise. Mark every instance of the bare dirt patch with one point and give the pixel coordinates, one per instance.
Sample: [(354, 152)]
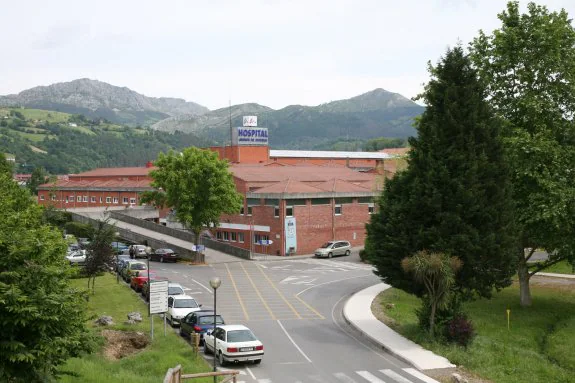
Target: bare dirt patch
[(123, 343)]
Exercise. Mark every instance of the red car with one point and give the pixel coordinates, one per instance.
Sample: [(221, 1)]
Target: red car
[(140, 279)]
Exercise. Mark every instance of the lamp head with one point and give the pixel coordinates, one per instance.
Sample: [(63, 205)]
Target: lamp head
[(148, 250), (215, 282)]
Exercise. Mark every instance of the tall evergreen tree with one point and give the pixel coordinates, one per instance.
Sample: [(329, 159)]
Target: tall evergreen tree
[(454, 197)]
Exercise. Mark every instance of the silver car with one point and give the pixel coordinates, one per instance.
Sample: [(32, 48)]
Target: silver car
[(333, 248)]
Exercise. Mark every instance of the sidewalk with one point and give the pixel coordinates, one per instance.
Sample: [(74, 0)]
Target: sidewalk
[(357, 312), (555, 275)]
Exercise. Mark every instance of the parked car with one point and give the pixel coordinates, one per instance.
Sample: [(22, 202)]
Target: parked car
[(139, 251), (139, 278), (119, 247), (179, 306), (333, 248), (120, 263), (77, 257), (199, 322), (164, 255), (175, 289), (234, 343), (131, 267), (83, 242), (145, 291)]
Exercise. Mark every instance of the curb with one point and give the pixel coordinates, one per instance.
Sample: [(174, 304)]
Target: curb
[(433, 362)]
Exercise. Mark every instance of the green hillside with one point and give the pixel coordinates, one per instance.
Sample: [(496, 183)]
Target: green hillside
[(64, 143)]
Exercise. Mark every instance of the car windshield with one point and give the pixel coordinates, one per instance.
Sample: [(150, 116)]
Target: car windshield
[(240, 336), (138, 266), (185, 303), (210, 320), (326, 245), (175, 291)]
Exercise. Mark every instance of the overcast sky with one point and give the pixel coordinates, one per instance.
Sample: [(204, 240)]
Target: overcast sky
[(271, 52)]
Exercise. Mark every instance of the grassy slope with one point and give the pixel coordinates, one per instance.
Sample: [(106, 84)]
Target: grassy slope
[(149, 365), (538, 347), (560, 268)]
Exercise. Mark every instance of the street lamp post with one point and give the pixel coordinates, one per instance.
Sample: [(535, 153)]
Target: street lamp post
[(117, 260), (215, 283), (148, 251)]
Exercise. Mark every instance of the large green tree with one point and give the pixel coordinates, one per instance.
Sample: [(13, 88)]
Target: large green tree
[(454, 197), (197, 184), (43, 319), (37, 178), (528, 66), (5, 166)]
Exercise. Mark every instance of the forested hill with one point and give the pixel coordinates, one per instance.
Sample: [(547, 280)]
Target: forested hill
[(64, 143)]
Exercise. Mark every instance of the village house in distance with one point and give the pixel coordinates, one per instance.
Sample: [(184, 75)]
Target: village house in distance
[(294, 200)]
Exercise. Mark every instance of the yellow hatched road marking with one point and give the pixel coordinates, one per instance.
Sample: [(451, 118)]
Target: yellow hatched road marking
[(279, 292), (238, 294), (309, 307), (257, 291)]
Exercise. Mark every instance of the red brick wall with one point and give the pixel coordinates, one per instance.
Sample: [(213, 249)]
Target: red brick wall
[(60, 198), (243, 154)]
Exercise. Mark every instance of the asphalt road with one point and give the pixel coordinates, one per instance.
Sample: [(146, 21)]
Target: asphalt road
[(295, 308)]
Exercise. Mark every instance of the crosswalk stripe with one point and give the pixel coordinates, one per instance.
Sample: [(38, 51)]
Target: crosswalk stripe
[(344, 378), (419, 375), (369, 377), (395, 376)]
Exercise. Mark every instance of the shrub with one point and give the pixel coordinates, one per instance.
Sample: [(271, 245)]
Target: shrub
[(363, 256), (460, 330), (79, 230)]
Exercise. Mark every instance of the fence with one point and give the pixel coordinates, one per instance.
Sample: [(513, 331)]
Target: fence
[(174, 375)]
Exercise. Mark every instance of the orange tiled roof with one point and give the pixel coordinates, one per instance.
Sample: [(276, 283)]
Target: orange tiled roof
[(341, 186), (63, 184), (289, 186), (297, 173)]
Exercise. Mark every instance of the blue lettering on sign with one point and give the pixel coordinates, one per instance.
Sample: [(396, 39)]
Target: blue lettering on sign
[(252, 133)]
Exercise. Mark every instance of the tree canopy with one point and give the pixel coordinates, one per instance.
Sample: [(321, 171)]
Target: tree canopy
[(528, 67), (42, 318), (455, 197), (197, 185)]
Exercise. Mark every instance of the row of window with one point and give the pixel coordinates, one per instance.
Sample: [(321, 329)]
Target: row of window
[(233, 236), (337, 210), (80, 198)]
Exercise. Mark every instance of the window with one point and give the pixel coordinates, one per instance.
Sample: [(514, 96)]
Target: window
[(241, 237), (132, 201), (66, 199), (226, 236), (340, 201), (242, 210), (260, 237), (249, 210), (93, 199), (100, 199), (337, 210), (297, 202), (79, 198), (41, 197), (218, 235), (320, 201), (365, 200), (53, 197), (85, 198), (108, 199), (276, 211), (125, 200), (289, 211), (271, 202), (371, 208), (115, 199), (234, 236), (252, 202)]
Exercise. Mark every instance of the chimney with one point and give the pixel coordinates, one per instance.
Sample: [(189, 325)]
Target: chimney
[(149, 164)]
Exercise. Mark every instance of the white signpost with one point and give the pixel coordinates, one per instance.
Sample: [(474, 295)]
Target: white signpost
[(158, 301)]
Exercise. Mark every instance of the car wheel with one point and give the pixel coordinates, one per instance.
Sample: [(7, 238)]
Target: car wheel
[(329, 255), (161, 259), (257, 361), (347, 253), (221, 359)]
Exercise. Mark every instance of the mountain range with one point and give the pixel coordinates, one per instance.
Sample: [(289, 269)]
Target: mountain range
[(378, 113)]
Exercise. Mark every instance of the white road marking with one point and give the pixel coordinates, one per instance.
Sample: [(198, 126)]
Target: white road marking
[(205, 287), (419, 375), (369, 377), (242, 372), (264, 381), (395, 376), (326, 283), (251, 373), (175, 272), (264, 266), (294, 343), (343, 377), (298, 280)]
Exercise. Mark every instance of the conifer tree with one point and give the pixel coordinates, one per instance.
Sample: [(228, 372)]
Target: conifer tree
[(455, 195)]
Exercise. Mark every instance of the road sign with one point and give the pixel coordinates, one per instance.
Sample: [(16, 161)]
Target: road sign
[(200, 248), (158, 297), (265, 242)]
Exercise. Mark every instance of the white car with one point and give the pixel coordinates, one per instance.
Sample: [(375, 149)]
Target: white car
[(179, 306), (77, 257), (234, 343), (175, 289)]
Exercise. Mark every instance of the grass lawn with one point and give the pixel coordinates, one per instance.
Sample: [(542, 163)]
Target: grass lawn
[(563, 267), (150, 364), (538, 347)]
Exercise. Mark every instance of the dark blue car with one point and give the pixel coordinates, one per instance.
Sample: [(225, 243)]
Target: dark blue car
[(199, 322)]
